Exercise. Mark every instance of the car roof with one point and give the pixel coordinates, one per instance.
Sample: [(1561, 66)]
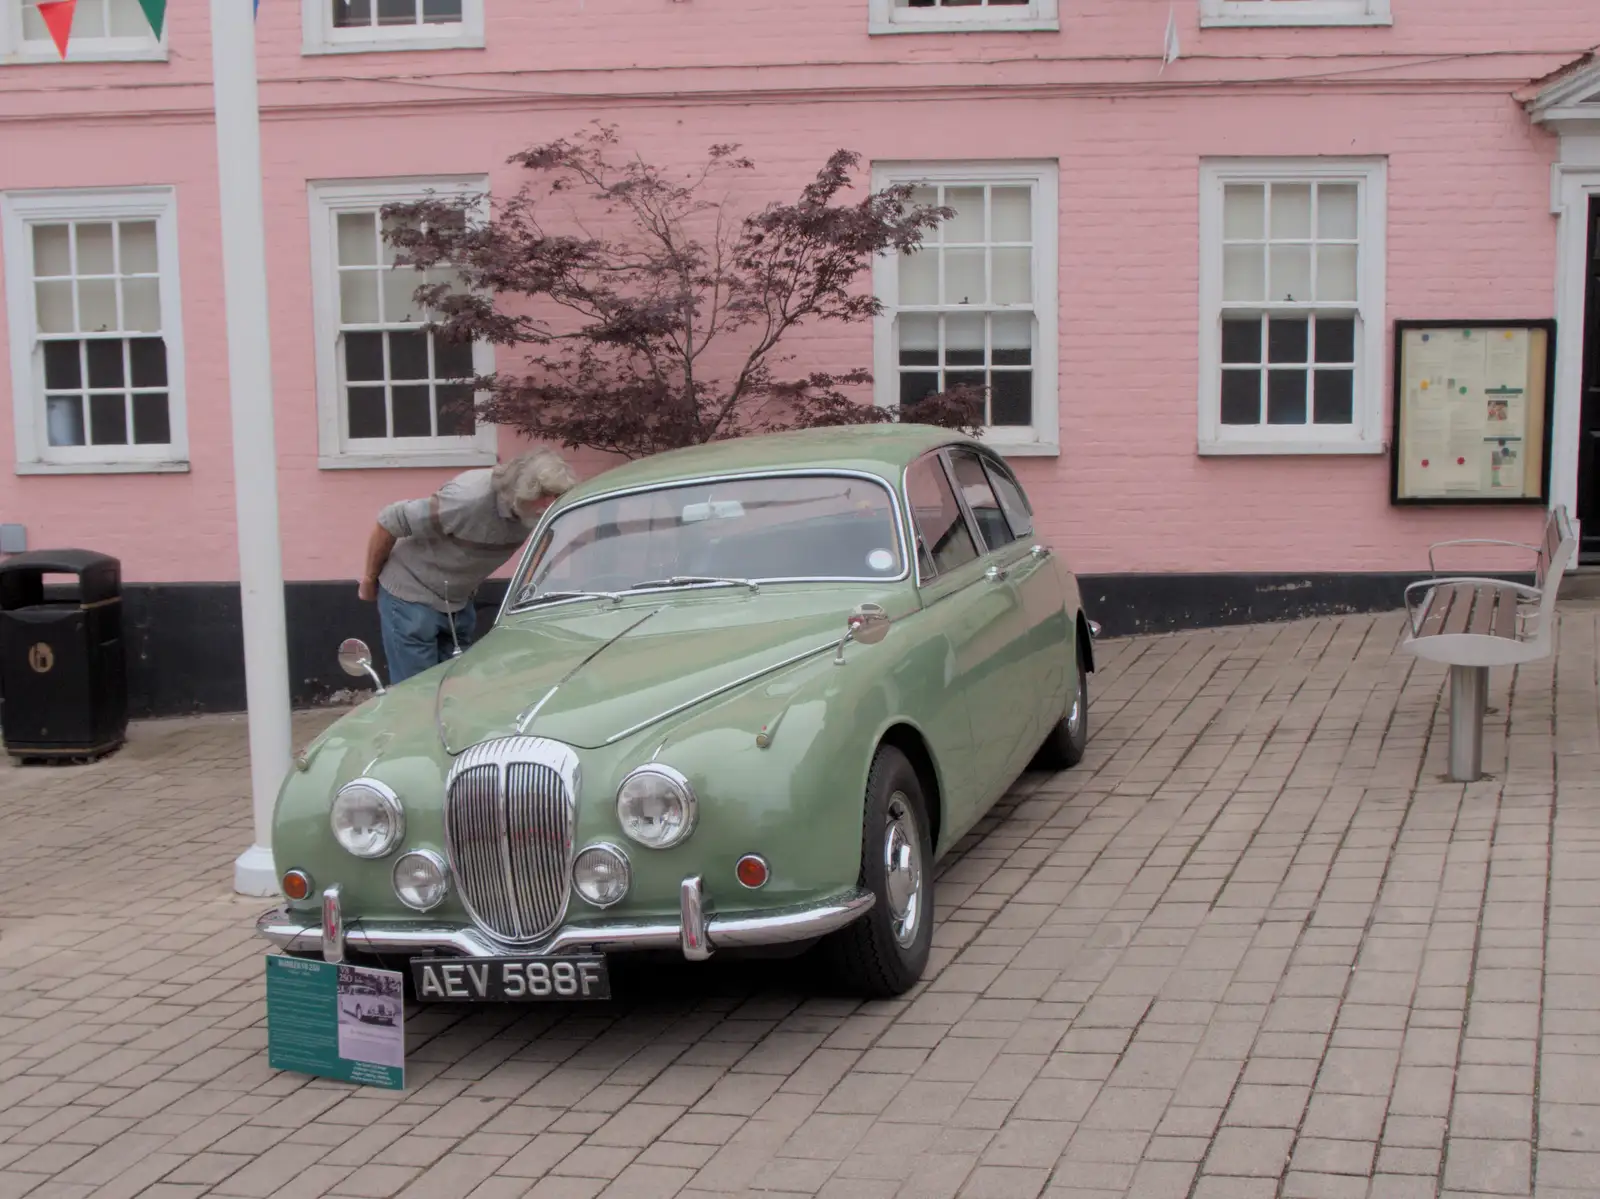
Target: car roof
[(884, 450)]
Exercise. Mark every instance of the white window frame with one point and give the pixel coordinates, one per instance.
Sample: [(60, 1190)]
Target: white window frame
[(1043, 437), (1034, 17), (1224, 14), (19, 212), (321, 37), (1365, 434), (328, 198), (15, 51)]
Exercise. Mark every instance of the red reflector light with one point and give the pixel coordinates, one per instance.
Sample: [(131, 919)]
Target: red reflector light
[(752, 871)]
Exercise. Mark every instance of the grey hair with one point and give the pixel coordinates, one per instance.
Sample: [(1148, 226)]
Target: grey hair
[(524, 479)]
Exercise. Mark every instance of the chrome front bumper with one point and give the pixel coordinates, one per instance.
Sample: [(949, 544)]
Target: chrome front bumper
[(696, 933)]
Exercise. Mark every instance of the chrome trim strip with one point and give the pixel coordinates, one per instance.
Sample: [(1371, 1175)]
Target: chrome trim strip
[(716, 691), (555, 512), (692, 919), (332, 926), (290, 931)]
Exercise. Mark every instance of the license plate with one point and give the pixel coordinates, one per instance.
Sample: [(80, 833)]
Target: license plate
[(511, 980)]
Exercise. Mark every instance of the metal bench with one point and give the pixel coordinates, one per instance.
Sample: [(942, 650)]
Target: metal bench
[(1470, 624)]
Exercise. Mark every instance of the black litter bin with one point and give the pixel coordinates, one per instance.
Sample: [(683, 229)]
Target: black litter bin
[(63, 675)]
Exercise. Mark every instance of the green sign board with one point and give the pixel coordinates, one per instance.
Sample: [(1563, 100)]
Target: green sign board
[(336, 1021)]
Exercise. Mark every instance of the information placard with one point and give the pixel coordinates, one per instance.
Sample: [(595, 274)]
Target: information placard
[(1471, 412), (336, 1021)]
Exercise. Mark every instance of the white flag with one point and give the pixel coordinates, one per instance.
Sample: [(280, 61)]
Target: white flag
[(1170, 53)]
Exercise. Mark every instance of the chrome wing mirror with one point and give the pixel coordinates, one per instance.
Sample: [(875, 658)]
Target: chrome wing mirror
[(867, 625), (355, 659)]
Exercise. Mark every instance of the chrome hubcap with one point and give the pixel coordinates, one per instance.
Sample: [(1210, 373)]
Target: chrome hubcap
[(1075, 715), (902, 869)]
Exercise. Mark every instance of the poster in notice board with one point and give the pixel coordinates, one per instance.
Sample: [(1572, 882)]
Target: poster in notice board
[(336, 1021), (1472, 412)]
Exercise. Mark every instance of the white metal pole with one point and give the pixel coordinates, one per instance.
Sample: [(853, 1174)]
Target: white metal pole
[(255, 459)]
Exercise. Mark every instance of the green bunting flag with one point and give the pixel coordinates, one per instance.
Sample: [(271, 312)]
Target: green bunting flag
[(155, 11)]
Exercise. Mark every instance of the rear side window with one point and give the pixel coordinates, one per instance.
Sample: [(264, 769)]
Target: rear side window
[(1012, 502), (975, 489), (941, 528)]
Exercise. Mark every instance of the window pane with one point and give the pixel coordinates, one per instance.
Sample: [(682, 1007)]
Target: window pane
[(1011, 214), (915, 385), (1336, 210), (1335, 399), (108, 420), (97, 305), (1291, 273), (347, 13), (1243, 269), (408, 358), (1336, 273), (963, 340), (397, 12), (399, 287), (1244, 207), (1241, 339), (1011, 398), (919, 340), (358, 239), (1336, 339), (94, 249), (141, 305), (1013, 276), (105, 364), (127, 19), (138, 245), (413, 412), (456, 416), (363, 357), (63, 369), (1286, 397), (1012, 501), (64, 420), (368, 414), (1011, 337), (919, 277), (53, 303), (52, 250), (1241, 397), (358, 297), (964, 277), (937, 515), (967, 224), (452, 360), (441, 12), (1288, 339), (148, 363), (980, 497), (151, 424), (1291, 210)]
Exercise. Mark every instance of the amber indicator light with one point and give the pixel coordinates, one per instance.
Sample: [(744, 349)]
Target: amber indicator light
[(296, 885)]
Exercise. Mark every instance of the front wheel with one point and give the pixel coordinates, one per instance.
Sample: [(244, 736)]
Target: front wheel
[(1064, 747), (885, 952)]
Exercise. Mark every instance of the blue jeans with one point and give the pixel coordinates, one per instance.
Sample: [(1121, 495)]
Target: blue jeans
[(416, 637)]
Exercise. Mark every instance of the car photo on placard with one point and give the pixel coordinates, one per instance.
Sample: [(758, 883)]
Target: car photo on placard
[(739, 698), (371, 1016)]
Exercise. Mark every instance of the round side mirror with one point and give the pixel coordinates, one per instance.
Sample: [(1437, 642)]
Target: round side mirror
[(355, 659), (869, 623)]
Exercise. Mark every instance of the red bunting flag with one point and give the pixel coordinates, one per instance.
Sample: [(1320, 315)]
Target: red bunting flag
[(155, 11), (57, 16)]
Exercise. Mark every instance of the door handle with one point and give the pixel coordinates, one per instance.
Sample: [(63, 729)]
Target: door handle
[(1040, 552), (995, 574)]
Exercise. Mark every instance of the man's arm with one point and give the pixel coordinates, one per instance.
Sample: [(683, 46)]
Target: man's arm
[(379, 546)]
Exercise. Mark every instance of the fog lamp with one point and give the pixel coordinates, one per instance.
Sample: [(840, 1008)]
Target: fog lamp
[(601, 875), (421, 880)]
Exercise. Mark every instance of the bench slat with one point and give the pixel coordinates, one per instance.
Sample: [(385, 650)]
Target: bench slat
[(1483, 605), (1440, 600), (1460, 609), (1505, 615)]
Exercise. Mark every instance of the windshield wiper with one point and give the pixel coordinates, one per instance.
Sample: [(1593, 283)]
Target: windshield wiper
[(527, 601), (694, 580)]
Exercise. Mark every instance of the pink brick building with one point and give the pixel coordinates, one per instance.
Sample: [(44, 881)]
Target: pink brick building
[(1179, 280)]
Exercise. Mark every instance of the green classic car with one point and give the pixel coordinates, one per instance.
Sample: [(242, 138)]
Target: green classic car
[(738, 696)]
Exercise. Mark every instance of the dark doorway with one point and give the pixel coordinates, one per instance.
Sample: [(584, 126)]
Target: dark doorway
[(1589, 431)]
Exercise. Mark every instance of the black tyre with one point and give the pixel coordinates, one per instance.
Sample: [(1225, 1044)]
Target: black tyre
[(885, 952), (1065, 745)]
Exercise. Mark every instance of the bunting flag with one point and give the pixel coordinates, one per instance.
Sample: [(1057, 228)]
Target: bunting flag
[(1170, 52), (57, 17), (155, 11)]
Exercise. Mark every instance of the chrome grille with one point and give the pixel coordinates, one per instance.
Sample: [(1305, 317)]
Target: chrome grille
[(508, 825)]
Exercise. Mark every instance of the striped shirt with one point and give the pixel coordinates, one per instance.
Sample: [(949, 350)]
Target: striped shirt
[(449, 543)]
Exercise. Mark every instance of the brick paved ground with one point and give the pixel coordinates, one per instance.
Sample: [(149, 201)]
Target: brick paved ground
[(1255, 946)]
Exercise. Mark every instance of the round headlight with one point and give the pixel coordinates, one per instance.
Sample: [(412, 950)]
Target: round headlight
[(419, 879), (656, 806), (367, 818), (600, 874)]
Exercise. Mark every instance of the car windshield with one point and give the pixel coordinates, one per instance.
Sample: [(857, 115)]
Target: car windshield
[(722, 532)]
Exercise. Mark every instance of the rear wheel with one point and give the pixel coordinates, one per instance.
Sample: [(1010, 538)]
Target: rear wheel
[(1065, 746), (885, 952)]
